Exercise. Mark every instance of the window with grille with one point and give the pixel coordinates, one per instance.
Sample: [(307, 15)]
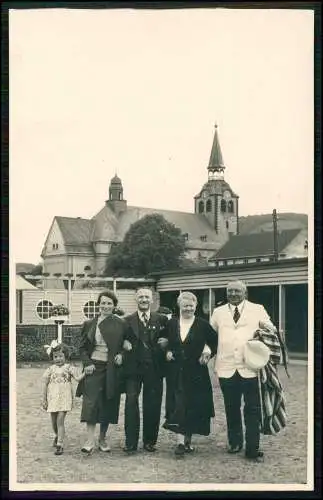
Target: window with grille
[(90, 309), (43, 309)]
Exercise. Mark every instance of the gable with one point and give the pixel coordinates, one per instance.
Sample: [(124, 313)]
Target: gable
[(54, 244)]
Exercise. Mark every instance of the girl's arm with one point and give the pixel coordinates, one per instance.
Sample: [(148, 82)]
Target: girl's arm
[(46, 378)]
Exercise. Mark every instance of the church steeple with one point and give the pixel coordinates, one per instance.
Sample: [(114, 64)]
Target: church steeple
[(216, 165), (116, 201)]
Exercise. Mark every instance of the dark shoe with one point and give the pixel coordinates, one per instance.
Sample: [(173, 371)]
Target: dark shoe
[(235, 449), (180, 451), (87, 451), (149, 447), (59, 450), (255, 456), (130, 449), (189, 448)]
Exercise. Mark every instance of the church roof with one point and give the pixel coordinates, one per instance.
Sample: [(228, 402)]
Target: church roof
[(195, 225), (286, 220), (255, 244), (75, 230)]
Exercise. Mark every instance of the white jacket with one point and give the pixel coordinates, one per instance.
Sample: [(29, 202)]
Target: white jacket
[(232, 337)]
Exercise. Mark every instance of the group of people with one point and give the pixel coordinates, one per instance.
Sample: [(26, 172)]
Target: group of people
[(134, 354)]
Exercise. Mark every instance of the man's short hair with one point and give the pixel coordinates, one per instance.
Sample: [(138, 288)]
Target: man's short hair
[(144, 288), (238, 283)]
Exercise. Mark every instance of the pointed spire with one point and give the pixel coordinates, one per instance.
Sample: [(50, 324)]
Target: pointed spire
[(216, 161)]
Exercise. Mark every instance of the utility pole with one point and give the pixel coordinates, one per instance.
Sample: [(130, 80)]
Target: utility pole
[(275, 235)]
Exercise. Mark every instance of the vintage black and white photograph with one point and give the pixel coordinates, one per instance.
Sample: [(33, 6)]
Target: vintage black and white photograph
[(161, 249)]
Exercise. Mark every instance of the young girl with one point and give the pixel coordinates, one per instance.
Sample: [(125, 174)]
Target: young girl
[(58, 391)]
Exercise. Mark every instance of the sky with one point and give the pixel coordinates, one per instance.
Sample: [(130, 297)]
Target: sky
[(137, 92)]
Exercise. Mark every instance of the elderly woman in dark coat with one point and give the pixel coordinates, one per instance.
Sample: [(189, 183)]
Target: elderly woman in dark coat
[(103, 342), (192, 342)]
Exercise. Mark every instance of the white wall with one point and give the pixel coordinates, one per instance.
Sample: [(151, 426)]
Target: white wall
[(30, 299)]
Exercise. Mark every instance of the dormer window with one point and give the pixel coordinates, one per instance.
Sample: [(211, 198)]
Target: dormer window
[(209, 206), (201, 207), (55, 246), (203, 237)]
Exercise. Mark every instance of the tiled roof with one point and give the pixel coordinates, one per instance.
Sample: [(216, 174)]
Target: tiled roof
[(255, 244), (195, 225), (104, 227), (75, 230), (251, 223)]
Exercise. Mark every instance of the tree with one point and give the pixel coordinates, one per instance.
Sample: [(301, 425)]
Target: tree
[(151, 244)]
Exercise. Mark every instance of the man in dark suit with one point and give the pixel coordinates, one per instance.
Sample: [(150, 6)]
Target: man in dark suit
[(144, 368)]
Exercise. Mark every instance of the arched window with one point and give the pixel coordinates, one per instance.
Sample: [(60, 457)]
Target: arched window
[(201, 207), (209, 206), (223, 206), (230, 206), (43, 309), (90, 309)]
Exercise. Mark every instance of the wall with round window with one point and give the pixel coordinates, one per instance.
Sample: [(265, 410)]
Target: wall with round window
[(90, 309), (43, 309)]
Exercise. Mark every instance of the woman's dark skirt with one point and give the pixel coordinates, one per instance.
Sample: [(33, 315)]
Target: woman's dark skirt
[(189, 406), (96, 408)]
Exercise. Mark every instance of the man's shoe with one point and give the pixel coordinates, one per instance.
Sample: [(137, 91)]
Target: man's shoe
[(189, 448), (234, 449), (180, 451), (130, 449), (149, 447), (255, 456)]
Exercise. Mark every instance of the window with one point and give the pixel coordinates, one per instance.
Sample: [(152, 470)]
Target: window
[(55, 246), (185, 236), (201, 207), (223, 206), (209, 206), (306, 245), (90, 309), (203, 237), (230, 206), (43, 309), (227, 224)]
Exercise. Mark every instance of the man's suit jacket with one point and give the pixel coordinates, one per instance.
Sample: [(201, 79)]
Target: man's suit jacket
[(157, 329), (114, 331), (232, 337)]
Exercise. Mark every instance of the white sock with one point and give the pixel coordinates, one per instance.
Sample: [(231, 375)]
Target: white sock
[(180, 438)]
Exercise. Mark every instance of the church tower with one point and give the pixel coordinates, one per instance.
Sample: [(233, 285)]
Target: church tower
[(116, 201), (216, 200)]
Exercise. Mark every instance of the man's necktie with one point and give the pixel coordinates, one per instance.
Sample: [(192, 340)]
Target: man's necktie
[(236, 315), (144, 319)]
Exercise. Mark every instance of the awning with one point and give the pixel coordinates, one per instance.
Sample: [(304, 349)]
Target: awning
[(22, 284)]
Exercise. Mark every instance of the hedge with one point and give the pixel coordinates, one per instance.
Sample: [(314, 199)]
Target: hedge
[(30, 341)]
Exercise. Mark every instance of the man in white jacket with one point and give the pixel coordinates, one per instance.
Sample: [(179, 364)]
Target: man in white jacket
[(236, 323)]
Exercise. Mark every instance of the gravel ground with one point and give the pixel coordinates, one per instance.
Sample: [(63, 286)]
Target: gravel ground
[(285, 453)]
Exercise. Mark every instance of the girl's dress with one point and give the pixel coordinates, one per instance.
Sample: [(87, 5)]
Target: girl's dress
[(59, 389)]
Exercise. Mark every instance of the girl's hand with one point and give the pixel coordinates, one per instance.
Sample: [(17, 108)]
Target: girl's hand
[(44, 404), (127, 345), (118, 359), (169, 356), (88, 370)]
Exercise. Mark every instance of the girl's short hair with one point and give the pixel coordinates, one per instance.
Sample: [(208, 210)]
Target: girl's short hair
[(110, 294), (60, 348)]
